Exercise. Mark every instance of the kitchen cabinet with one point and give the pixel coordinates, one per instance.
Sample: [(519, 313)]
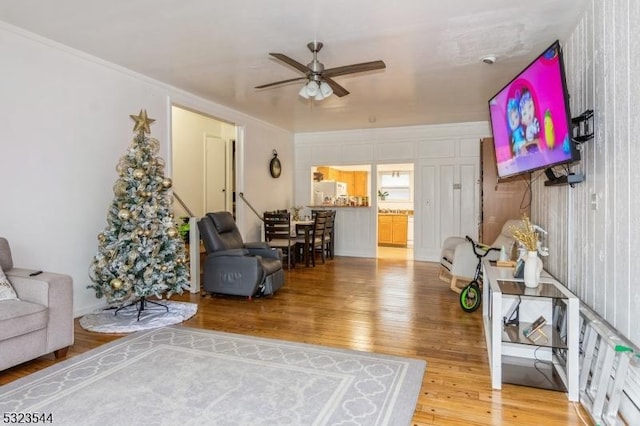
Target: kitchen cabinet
[(329, 173), (360, 184), (392, 229), (347, 177)]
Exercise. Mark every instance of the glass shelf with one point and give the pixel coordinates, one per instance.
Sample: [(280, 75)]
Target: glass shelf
[(550, 339), (517, 288)]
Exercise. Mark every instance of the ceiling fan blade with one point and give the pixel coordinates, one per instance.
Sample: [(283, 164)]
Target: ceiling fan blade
[(280, 82), (287, 60), (338, 90), (349, 69)]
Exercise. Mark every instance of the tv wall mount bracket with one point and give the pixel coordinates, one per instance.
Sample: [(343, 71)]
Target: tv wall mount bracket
[(582, 131), (582, 127)]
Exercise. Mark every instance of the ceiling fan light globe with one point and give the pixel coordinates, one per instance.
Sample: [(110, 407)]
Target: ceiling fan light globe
[(312, 88), (325, 89), (319, 96), (303, 92)]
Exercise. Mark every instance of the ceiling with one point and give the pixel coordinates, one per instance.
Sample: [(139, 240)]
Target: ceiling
[(219, 50)]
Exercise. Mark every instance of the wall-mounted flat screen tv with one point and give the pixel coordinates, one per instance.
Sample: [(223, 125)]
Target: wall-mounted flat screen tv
[(530, 118)]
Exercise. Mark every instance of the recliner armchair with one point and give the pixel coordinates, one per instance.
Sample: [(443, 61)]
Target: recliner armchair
[(233, 267), (458, 261)]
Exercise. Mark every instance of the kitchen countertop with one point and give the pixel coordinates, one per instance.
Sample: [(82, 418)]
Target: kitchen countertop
[(395, 212), (332, 206)]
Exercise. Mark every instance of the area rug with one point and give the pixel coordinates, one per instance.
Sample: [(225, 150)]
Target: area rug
[(183, 376), (126, 320)]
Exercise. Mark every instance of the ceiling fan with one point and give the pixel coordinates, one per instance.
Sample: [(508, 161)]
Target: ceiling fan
[(320, 80)]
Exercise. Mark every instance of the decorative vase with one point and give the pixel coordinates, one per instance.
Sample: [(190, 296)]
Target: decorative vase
[(532, 269)]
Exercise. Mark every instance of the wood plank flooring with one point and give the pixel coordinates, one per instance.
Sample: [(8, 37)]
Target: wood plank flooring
[(390, 306)]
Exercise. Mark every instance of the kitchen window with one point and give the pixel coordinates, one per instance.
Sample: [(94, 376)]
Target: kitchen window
[(396, 184)]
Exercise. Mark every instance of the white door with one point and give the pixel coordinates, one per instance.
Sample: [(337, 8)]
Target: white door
[(448, 206), (215, 172)]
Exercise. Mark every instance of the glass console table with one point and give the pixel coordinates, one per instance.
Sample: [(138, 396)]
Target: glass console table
[(546, 359)]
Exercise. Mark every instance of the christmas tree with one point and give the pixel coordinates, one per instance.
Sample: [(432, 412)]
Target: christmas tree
[(140, 252)]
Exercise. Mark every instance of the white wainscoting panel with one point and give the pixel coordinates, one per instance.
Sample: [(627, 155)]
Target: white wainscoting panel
[(438, 148), (357, 154), (396, 151)]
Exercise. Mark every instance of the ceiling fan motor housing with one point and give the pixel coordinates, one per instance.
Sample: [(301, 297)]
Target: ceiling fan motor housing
[(315, 67)]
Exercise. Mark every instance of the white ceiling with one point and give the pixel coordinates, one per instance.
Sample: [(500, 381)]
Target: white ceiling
[(220, 50)]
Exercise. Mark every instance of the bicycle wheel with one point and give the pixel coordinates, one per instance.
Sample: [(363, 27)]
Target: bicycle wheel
[(470, 297)]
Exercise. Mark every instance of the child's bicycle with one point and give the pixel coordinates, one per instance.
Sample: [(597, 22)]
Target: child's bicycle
[(471, 295)]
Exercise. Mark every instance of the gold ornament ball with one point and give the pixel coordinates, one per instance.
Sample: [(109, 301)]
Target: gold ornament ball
[(124, 214), (116, 283), (172, 232), (147, 233), (101, 237), (163, 268), (166, 183), (138, 173), (148, 194)]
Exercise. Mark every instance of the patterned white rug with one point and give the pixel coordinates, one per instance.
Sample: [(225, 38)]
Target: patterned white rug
[(184, 376), (126, 320)]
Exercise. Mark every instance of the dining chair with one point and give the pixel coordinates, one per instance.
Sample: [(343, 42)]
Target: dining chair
[(329, 231), (277, 232), (316, 243)]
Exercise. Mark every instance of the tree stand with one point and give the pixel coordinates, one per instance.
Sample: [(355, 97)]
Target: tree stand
[(141, 305)]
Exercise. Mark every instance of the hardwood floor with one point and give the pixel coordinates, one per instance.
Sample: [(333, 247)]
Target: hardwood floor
[(390, 306)]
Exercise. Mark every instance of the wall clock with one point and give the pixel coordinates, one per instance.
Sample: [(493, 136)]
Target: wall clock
[(275, 168)]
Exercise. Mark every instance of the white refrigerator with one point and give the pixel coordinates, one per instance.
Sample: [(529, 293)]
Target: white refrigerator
[(330, 188)]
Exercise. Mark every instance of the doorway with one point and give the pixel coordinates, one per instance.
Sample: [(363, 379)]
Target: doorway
[(395, 191), (203, 158)]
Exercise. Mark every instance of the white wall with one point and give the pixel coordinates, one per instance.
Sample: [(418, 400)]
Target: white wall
[(594, 228), (64, 124), (441, 154)]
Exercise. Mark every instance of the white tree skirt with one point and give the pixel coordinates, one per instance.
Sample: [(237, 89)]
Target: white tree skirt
[(126, 319)]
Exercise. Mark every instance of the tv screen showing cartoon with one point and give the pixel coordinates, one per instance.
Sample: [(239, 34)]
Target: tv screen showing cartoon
[(530, 118)]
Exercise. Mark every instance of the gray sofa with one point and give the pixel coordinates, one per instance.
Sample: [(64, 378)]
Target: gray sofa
[(40, 321)]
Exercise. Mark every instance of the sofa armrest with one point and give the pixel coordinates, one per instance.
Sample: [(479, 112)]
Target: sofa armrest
[(268, 252), (452, 242), (53, 290), (257, 245), (230, 252), (464, 261)]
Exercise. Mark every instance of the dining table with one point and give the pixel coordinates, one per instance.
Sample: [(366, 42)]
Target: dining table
[(300, 227)]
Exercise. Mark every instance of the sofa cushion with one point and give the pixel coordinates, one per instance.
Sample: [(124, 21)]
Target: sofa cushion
[(18, 317), (6, 262), (6, 290)]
